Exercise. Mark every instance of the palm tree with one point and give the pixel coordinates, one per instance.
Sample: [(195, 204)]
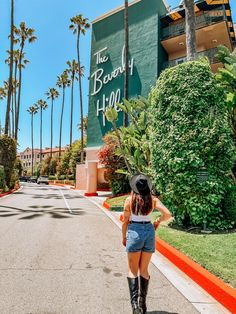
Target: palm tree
[(42, 105), (32, 110), (79, 25), (3, 95), (62, 82), (190, 29), (52, 94), (73, 70), (9, 94), (126, 78), (16, 58), (22, 35)]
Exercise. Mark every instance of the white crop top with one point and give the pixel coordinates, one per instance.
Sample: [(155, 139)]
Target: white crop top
[(148, 217)]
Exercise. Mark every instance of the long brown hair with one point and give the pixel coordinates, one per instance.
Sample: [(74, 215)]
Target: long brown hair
[(141, 204)]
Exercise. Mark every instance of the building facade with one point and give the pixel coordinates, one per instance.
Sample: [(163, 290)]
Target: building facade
[(26, 156), (156, 41)]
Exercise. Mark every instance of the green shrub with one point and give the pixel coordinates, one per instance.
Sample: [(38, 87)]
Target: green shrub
[(7, 156), (62, 177), (52, 178), (120, 187), (190, 131), (229, 205), (2, 178)]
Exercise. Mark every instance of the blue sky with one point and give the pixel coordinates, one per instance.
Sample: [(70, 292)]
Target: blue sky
[(48, 56)]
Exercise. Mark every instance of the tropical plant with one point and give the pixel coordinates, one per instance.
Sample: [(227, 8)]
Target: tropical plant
[(9, 94), (22, 35), (112, 162), (41, 105), (79, 25), (73, 70), (62, 82), (85, 126), (32, 111), (227, 78), (134, 139), (126, 78), (190, 29), (190, 135), (52, 94)]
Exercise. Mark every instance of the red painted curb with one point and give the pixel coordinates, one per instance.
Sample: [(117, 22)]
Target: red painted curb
[(90, 194), (9, 192), (106, 205), (213, 285)]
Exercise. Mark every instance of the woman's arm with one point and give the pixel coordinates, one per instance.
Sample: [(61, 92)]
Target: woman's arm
[(165, 213), (127, 214)]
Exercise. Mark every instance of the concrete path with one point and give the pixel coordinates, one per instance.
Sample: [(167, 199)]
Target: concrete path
[(60, 253)]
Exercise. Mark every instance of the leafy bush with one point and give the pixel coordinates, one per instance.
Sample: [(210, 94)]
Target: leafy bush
[(7, 157), (52, 178), (2, 178), (190, 131), (107, 156), (229, 205)]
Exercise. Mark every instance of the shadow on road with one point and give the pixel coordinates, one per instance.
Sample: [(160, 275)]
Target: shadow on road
[(28, 214)]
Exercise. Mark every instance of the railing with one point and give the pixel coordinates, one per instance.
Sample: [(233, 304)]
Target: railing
[(203, 20), (210, 53)]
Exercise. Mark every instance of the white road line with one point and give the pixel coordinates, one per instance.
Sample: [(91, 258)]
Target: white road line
[(67, 205)]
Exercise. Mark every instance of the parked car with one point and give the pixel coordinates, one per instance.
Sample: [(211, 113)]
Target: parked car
[(24, 178), (42, 179), (32, 179)]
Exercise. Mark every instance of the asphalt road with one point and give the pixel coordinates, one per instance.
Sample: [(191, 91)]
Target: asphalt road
[(60, 254)]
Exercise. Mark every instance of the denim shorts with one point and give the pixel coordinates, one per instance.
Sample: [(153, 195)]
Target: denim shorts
[(140, 237)]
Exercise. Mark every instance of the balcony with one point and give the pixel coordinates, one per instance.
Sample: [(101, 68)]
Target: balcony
[(203, 20), (210, 53)]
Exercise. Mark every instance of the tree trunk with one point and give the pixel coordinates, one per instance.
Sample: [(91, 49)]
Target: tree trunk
[(19, 93), (51, 129), (190, 29), (81, 101), (32, 142), (41, 134), (71, 110), (9, 94), (12, 116), (62, 110), (126, 74)]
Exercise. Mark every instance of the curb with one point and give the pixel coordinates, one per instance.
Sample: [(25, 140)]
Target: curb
[(209, 282), (9, 192)]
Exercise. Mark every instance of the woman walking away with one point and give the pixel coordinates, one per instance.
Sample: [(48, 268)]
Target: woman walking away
[(140, 241)]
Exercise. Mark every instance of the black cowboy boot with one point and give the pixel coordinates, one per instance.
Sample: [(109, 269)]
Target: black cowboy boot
[(133, 289), (143, 294)]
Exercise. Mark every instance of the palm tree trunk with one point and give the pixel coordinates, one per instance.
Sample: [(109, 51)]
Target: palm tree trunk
[(19, 93), (71, 110), (81, 101), (126, 77), (41, 134), (9, 94), (12, 115), (32, 144), (190, 29), (51, 129), (62, 110), (15, 98)]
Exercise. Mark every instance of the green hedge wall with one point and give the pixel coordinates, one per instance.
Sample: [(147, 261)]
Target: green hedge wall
[(8, 158), (190, 131)]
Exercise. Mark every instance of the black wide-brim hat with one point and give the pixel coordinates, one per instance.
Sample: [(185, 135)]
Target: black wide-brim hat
[(141, 184)]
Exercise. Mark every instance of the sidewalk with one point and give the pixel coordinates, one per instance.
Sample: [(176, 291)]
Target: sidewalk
[(169, 284)]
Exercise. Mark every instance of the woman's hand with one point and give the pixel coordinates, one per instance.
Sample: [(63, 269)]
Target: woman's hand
[(124, 241), (156, 224)]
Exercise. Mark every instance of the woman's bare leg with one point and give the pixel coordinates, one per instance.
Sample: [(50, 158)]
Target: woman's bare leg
[(133, 264), (144, 263)]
